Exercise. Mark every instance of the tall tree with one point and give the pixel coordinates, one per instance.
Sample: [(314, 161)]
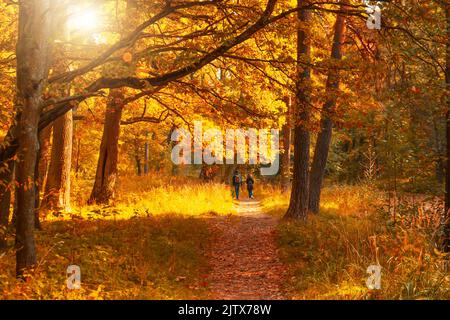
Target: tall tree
[(298, 205), (57, 188), (32, 71), (106, 174), (326, 124), (107, 171)]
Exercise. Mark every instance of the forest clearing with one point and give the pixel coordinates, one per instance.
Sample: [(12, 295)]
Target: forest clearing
[(224, 150)]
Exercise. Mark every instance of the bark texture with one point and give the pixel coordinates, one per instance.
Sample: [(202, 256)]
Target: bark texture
[(32, 72), (446, 242), (44, 156), (107, 171), (286, 156), (57, 189), (106, 174), (298, 205), (5, 200), (324, 138)]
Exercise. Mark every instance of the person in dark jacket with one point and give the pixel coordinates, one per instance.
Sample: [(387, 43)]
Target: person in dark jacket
[(237, 182), (250, 182)]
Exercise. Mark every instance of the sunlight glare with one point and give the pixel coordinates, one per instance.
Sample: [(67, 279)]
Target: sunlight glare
[(83, 20)]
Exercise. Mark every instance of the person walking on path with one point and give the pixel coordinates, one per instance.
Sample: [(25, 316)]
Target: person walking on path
[(250, 182), (237, 181)]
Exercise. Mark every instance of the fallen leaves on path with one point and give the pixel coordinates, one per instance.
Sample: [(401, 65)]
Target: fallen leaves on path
[(244, 258)]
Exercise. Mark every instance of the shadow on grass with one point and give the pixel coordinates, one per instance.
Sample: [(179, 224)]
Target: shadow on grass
[(159, 257)]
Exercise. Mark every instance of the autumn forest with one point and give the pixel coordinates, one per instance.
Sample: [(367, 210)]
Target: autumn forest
[(224, 150)]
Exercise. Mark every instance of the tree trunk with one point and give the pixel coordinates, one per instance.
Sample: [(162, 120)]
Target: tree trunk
[(106, 175), (6, 180), (286, 156), (44, 156), (77, 161), (37, 198), (5, 201), (446, 242), (298, 206), (146, 156), (138, 165), (57, 189), (324, 138), (32, 71)]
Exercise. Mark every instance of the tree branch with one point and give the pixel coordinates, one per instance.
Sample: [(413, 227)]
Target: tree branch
[(147, 119), (177, 74)]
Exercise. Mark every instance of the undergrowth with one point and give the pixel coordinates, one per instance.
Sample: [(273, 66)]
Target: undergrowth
[(328, 256), (149, 243)]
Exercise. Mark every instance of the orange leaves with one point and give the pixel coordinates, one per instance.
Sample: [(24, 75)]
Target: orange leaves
[(415, 90), (127, 57)]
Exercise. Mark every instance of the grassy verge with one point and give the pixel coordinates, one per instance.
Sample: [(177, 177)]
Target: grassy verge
[(150, 244), (328, 256), (154, 195), (142, 258)]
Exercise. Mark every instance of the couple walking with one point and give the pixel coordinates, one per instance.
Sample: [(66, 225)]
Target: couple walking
[(238, 182)]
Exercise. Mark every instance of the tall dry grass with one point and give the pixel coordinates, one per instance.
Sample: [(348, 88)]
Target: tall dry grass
[(154, 194), (328, 256)]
